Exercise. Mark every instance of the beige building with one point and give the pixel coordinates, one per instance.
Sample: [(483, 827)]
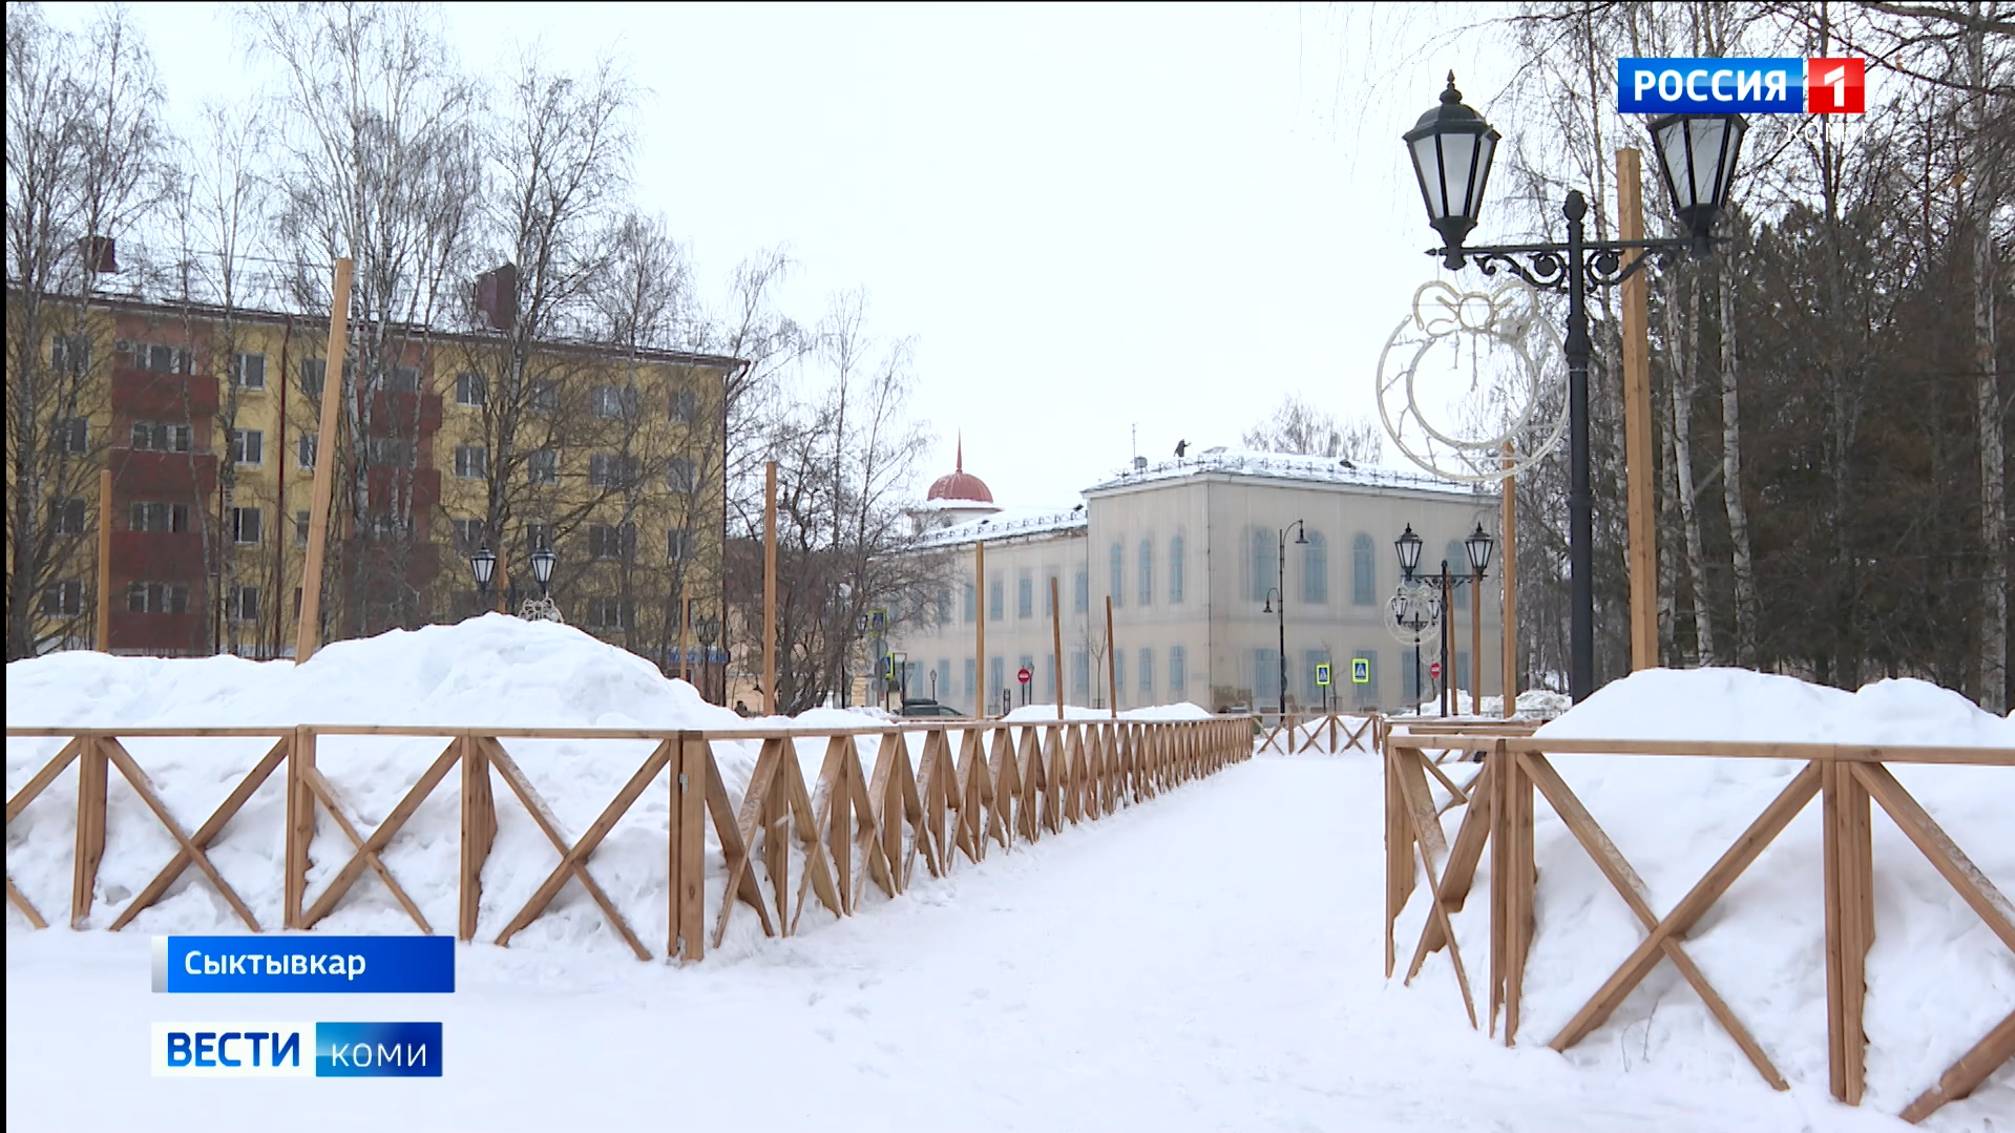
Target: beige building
[(1189, 553)]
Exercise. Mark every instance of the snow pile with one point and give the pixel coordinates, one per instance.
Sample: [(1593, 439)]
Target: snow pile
[(1938, 979), (1046, 713), (492, 671)]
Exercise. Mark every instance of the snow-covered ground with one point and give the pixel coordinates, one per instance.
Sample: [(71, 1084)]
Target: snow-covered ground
[(1210, 961)]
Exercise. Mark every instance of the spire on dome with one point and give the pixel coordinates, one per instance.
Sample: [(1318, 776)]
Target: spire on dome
[(960, 484), (959, 460)]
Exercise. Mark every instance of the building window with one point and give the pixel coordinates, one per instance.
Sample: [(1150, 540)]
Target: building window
[(243, 604), (972, 671), (1118, 677), (542, 466), (468, 534), (546, 396), (944, 681), (161, 359), (1410, 677), (471, 461), (245, 524), (471, 389), (1081, 584), (1080, 674), (71, 435), (155, 516), (1366, 694), (1049, 590), (1027, 662), (248, 371), (1462, 682), (611, 613), (66, 516), (607, 541), (63, 598), (1363, 571), (944, 604), (1178, 673), (971, 599), (402, 379), (1146, 596), (1310, 692), (1116, 571), (304, 450), (1146, 676), (1025, 597), (248, 446), (996, 680), (614, 401), (1456, 557), (395, 452), (685, 406), (1175, 571), (678, 545), (1315, 569), (1264, 563), (313, 371), (70, 354), (1265, 678), (158, 436), (681, 475), (996, 601), (157, 598), (611, 470), (301, 528)]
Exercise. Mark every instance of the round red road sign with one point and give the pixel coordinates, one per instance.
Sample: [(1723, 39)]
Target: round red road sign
[(1024, 676), (1434, 669)]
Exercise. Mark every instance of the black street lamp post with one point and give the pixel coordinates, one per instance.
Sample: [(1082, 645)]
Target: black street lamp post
[(1276, 600), (1451, 148), (483, 564), (1477, 549)]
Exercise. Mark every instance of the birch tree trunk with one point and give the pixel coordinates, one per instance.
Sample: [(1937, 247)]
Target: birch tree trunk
[(1747, 605), (1993, 489), (1685, 371)]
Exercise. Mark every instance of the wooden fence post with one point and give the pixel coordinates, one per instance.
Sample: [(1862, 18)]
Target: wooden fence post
[(1849, 927), (687, 878), (300, 823), (90, 828), (479, 830)]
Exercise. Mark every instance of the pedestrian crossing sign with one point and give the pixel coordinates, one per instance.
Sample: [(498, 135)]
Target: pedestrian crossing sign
[(1360, 670), (1322, 674)]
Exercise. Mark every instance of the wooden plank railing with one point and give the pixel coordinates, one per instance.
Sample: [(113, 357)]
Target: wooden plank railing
[(1499, 813), (940, 790), (1333, 733)]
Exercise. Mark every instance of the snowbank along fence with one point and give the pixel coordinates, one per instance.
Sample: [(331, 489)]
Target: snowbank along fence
[(1499, 811), (1331, 733), (937, 790)]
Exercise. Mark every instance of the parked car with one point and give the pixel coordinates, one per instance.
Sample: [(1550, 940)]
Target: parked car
[(927, 708)]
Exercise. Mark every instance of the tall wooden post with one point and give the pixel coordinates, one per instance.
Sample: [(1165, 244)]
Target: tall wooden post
[(979, 631), (1447, 639), (1637, 444), (1509, 557), (308, 629), (1056, 643), (685, 630), (1111, 679), (1476, 645), (102, 638), (770, 588)]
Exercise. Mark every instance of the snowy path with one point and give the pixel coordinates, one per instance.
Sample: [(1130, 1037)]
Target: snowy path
[(1210, 961)]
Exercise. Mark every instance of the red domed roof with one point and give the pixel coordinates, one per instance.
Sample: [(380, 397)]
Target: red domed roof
[(960, 485)]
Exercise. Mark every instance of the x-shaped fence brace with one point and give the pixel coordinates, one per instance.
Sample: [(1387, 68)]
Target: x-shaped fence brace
[(990, 782), (1294, 734), (1499, 812)]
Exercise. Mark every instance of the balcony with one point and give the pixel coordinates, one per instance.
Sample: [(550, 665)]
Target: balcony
[(425, 489), (187, 476), (162, 633), (157, 556), (169, 397), (392, 414)]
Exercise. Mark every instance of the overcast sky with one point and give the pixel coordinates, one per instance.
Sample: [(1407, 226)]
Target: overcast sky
[(1090, 218)]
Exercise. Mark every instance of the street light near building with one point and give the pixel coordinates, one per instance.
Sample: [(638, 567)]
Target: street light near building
[(483, 564), (1276, 600), (1451, 148), (1477, 549)]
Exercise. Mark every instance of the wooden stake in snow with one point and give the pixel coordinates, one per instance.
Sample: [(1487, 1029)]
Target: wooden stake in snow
[(104, 597), (1643, 518), (770, 588), (308, 628), (1056, 644)]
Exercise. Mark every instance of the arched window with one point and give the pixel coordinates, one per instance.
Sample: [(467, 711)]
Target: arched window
[(1175, 571), (1263, 563), (1315, 569), (1363, 570), (1146, 596)]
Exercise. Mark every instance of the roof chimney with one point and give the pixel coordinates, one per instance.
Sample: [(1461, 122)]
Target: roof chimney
[(497, 297), (100, 254)]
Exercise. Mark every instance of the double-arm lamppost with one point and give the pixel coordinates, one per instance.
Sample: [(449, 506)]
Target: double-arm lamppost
[(1477, 549), (483, 564), (1451, 148), (1276, 600)]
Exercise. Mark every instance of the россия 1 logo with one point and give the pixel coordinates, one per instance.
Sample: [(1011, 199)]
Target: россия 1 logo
[(1741, 86)]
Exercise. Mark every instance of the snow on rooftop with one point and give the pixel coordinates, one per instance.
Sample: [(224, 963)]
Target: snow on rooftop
[(1007, 523), (1282, 466)]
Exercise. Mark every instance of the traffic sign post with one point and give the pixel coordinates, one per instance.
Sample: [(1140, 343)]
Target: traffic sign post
[(1322, 674), (1026, 678), (1360, 670)]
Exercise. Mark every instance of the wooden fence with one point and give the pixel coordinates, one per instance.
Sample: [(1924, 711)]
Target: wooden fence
[(1333, 733), (969, 783), (1499, 804)]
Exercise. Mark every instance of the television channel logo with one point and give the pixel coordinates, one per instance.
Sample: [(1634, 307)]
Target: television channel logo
[(1741, 86), (343, 1049)]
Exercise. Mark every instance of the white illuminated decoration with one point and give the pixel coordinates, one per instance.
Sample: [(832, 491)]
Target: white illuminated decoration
[(1455, 420), (1420, 601), (540, 609)]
